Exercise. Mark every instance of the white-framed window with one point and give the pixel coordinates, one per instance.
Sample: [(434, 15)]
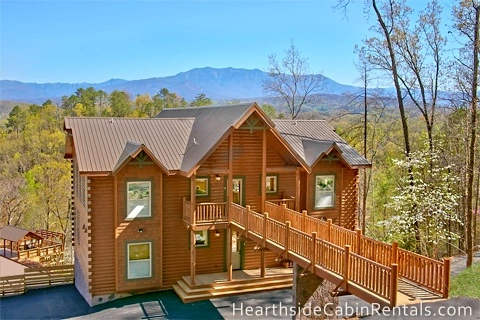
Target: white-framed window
[(139, 260), (201, 238), (201, 186), (139, 200), (271, 184), (324, 191)]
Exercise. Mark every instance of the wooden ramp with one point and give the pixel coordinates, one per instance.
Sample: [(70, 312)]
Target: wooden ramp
[(215, 285), (369, 269)]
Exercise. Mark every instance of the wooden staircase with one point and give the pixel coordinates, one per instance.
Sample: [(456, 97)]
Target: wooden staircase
[(244, 281)]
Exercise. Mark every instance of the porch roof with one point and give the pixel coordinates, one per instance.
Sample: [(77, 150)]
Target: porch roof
[(314, 139), (15, 234)]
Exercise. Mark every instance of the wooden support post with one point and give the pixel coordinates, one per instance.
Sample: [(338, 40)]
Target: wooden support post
[(264, 244), (394, 257), (359, 242), (329, 230), (394, 285), (230, 173), (446, 277), (193, 199), (287, 238), (192, 257), (229, 254), (346, 267), (304, 220), (297, 190), (284, 213), (263, 186), (313, 252)]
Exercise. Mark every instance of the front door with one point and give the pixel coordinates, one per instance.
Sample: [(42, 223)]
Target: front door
[(236, 251)]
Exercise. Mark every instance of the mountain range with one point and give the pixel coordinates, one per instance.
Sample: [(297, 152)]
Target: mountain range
[(215, 83)]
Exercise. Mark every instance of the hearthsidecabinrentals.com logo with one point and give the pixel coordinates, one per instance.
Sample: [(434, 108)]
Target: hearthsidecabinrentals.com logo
[(347, 310)]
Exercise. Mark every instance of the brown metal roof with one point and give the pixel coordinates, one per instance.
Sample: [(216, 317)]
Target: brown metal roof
[(180, 139), (16, 234), (103, 143), (312, 139)]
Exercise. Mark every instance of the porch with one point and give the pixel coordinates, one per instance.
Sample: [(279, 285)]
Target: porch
[(216, 285)]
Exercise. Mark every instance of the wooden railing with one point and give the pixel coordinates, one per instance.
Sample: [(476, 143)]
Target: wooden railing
[(378, 280), (58, 237), (430, 273), (426, 272), (289, 203), (204, 212), (36, 277), (54, 249), (207, 212)]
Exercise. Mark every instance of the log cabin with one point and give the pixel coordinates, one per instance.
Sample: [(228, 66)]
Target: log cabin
[(151, 197)]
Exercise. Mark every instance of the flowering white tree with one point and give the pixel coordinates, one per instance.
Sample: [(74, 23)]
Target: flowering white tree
[(427, 202)]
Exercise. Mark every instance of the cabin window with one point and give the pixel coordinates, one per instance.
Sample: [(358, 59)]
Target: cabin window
[(201, 186), (324, 191), (271, 185), (139, 199), (201, 238), (139, 260)]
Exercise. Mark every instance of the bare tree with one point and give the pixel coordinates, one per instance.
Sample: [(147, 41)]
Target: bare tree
[(466, 17), (292, 80), (420, 60)]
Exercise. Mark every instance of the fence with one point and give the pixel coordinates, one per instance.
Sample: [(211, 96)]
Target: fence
[(36, 278)]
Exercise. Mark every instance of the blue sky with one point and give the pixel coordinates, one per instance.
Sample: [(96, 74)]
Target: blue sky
[(94, 41)]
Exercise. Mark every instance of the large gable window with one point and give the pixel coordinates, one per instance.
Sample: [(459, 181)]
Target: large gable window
[(139, 260), (324, 191), (139, 200)]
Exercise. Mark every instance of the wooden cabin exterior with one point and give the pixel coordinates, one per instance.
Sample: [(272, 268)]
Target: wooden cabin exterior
[(150, 196)]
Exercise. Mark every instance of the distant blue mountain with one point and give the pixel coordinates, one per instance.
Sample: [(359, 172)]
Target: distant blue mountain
[(218, 84)]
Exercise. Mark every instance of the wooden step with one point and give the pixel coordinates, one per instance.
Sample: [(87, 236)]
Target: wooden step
[(233, 286), (204, 293), (223, 282)]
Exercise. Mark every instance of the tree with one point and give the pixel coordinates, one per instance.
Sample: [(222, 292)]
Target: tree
[(467, 24), (16, 119), (269, 110), (292, 80), (120, 104), (429, 203), (201, 100)]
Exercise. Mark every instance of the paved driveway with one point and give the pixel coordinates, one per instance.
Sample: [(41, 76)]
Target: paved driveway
[(64, 302)]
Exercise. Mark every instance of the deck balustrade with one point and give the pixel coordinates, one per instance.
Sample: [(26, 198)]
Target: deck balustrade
[(370, 265)]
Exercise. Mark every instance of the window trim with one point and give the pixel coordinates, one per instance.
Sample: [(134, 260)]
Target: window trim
[(207, 179), (207, 238), (332, 205), (276, 183), (127, 269), (139, 180)]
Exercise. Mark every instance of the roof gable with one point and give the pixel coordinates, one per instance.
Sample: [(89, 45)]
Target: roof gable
[(314, 139), (211, 127)]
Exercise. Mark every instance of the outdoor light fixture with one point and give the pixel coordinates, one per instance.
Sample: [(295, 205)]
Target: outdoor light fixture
[(140, 230), (217, 177), (217, 233)]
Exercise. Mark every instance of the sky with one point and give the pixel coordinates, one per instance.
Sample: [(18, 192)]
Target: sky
[(94, 41)]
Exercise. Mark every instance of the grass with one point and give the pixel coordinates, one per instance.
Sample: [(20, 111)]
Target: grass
[(466, 283)]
